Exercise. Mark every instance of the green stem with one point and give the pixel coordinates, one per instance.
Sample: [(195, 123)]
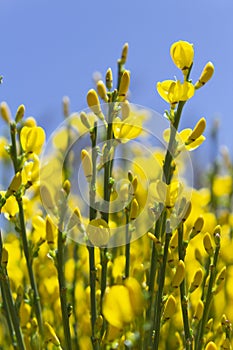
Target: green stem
[(75, 324), (167, 168), (7, 314), (107, 192), (63, 289), (207, 302), (127, 246), (29, 260), (159, 296), (183, 298), (91, 249), (6, 292)]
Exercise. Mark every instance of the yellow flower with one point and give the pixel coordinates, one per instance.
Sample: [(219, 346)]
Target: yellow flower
[(173, 91), (122, 303), (30, 172), (128, 129), (168, 194), (32, 139), (222, 185), (10, 208), (188, 138), (182, 54)]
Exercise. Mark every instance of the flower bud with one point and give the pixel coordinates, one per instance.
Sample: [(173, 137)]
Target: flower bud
[(5, 112), (199, 311), (50, 229), (206, 75), (50, 335), (87, 165), (102, 92), (197, 280), (211, 346), (158, 244), (24, 313), (84, 120), (198, 130), (108, 79), (134, 209), (4, 257), (124, 53), (179, 275), (208, 244), (197, 227), (94, 103), (170, 308), (66, 187), (20, 113), (124, 85)]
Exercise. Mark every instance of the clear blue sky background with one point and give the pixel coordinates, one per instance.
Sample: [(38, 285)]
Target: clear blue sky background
[(50, 48)]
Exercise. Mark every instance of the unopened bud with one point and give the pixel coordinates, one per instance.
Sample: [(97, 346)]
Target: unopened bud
[(20, 113), (84, 120), (94, 103), (87, 165), (198, 130), (24, 313), (158, 244), (4, 258), (5, 112), (197, 280), (211, 346), (179, 275), (208, 244), (50, 335), (102, 92), (50, 229), (124, 53), (66, 187), (124, 85), (134, 209), (206, 75), (199, 311), (197, 227), (108, 79), (170, 308)]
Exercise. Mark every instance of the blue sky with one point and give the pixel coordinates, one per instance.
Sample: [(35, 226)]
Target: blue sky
[(51, 48)]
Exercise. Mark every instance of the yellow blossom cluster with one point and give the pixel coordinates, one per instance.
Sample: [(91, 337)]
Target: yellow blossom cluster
[(65, 280)]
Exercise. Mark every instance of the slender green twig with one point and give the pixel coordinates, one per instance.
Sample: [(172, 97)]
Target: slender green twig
[(127, 246), (75, 325), (107, 192), (91, 249), (183, 298), (207, 302), (6, 291), (63, 289), (8, 316), (159, 296), (36, 297)]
